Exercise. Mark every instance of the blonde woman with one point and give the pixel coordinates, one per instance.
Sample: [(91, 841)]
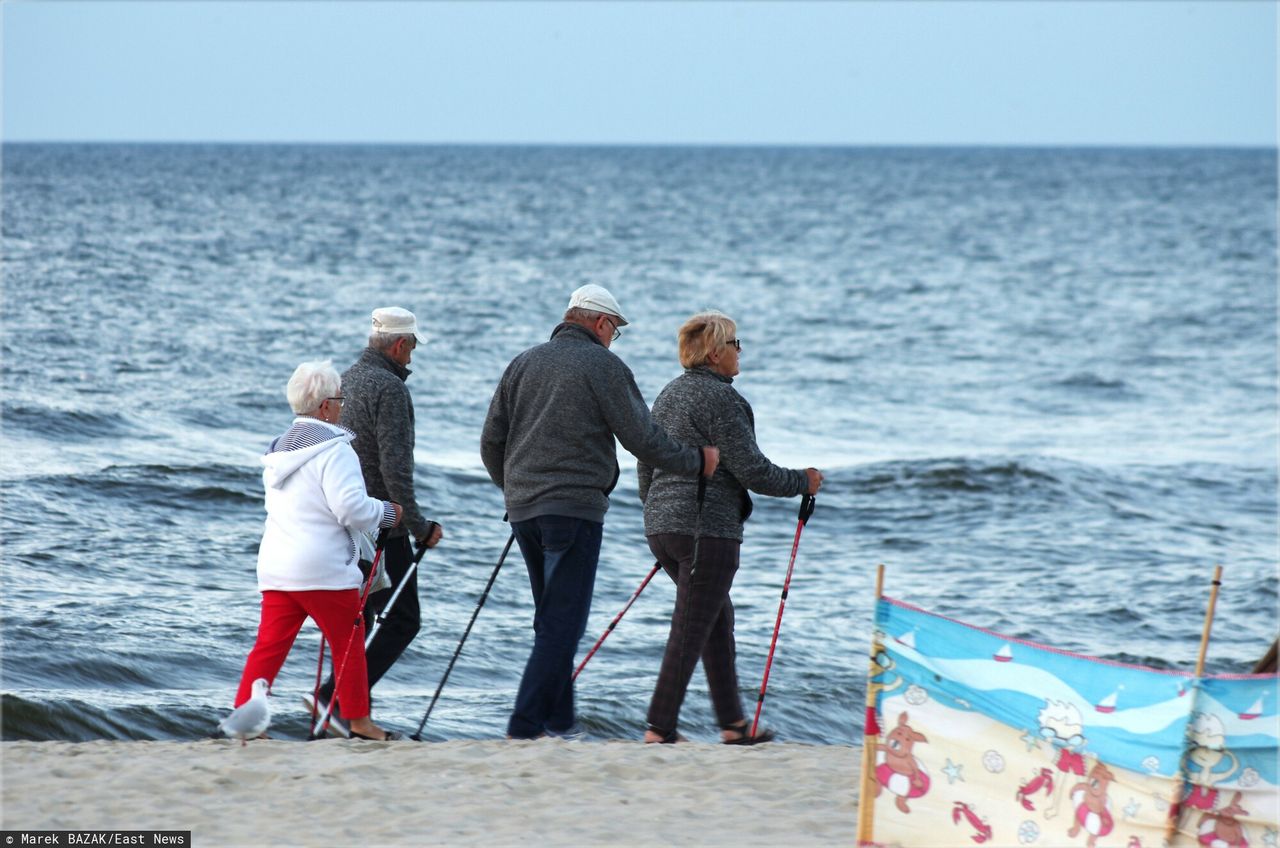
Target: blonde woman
[(701, 407)]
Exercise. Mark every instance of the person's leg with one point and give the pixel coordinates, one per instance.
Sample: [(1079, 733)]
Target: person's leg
[(700, 596), (529, 540), (401, 623), (280, 620), (335, 613), (567, 550), (719, 652), (664, 705)]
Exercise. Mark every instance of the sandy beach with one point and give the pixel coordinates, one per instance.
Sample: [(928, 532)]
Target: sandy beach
[(337, 792)]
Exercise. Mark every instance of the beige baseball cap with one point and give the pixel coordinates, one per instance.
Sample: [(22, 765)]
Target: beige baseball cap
[(395, 321), (597, 299)]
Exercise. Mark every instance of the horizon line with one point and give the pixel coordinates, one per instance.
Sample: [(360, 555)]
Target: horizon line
[(1220, 145)]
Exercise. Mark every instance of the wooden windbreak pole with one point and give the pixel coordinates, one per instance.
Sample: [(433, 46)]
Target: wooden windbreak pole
[(1208, 620), (1180, 781), (865, 797)]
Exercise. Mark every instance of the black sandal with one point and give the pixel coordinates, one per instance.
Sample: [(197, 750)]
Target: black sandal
[(763, 736), (392, 736)]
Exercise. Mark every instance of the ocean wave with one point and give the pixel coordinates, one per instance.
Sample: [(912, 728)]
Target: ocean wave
[(74, 424), (169, 485), (956, 475)]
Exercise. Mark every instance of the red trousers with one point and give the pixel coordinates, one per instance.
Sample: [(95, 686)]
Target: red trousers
[(334, 611)]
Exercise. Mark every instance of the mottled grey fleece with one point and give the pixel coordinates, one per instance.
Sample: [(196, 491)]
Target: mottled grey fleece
[(701, 407), (548, 440), (379, 410)]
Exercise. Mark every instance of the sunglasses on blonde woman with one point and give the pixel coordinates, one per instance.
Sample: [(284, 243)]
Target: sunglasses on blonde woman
[(736, 344)]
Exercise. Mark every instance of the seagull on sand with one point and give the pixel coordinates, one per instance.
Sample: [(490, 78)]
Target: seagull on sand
[(250, 719)]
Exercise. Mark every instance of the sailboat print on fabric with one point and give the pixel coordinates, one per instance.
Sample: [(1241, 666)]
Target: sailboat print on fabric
[(990, 740)]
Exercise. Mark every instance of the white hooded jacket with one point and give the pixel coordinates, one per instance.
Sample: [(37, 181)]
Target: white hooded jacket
[(316, 501)]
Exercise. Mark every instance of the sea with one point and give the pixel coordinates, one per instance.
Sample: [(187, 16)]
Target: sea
[(1041, 382)]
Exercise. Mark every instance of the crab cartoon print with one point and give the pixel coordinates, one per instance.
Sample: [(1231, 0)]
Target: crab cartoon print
[(897, 769), (981, 829), (1092, 806), (1043, 781)]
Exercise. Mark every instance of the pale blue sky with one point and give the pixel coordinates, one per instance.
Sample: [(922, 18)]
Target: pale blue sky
[(870, 72)]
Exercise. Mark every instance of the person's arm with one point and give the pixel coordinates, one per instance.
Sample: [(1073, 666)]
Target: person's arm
[(740, 454), (628, 417), (644, 472), (342, 485), (493, 438), (394, 427)]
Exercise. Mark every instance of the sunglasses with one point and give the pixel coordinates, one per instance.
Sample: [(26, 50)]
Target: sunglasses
[(736, 344)]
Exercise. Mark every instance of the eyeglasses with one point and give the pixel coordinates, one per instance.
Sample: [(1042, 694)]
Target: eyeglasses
[(736, 344), (341, 400), (617, 331)]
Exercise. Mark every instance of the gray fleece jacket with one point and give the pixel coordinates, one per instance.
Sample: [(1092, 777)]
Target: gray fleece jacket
[(379, 410), (701, 407), (548, 440)]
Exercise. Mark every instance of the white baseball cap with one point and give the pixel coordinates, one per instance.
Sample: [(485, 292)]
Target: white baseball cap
[(394, 321), (597, 299)]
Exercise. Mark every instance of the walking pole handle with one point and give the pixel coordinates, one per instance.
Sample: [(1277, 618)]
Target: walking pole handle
[(807, 504)]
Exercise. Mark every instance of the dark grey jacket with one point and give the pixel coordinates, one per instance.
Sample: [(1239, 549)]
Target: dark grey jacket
[(701, 407), (548, 440), (379, 410)]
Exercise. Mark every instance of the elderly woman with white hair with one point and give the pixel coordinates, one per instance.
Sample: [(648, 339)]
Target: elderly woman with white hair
[(701, 407), (308, 561)]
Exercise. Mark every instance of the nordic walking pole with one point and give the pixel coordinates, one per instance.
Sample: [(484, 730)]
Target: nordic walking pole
[(319, 727), (484, 596), (702, 493), (807, 503), (866, 809), (315, 692), (1175, 809), (391, 602), (320, 724), (615, 621)]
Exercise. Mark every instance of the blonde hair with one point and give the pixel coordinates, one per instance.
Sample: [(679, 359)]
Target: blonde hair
[(702, 334)]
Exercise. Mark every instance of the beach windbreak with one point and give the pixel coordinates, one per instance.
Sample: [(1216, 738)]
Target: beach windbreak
[(977, 738)]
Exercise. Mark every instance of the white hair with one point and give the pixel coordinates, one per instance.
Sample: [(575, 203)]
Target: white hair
[(384, 341), (311, 383), (584, 316)]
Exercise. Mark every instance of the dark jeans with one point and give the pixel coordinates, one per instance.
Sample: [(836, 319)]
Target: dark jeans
[(701, 626), (561, 554), (402, 621)]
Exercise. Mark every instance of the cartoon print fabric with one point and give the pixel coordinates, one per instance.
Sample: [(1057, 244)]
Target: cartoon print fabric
[(981, 739)]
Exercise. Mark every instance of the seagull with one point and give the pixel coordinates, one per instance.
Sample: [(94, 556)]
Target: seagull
[(251, 718)]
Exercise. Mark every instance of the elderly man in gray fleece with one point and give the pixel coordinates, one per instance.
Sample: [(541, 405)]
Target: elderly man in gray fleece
[(548, 443), (377, 407)]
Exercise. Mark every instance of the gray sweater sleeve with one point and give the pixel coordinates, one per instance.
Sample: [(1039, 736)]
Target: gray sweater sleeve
[(628, 417), (644, 473), (493, 439), (733, 433), (395, 456)]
